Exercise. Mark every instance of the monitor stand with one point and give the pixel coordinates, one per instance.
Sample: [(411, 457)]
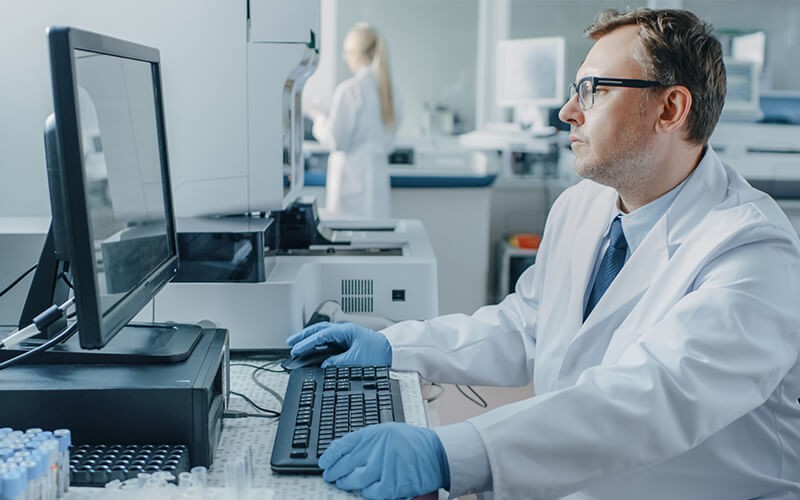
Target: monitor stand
[(136, 343)]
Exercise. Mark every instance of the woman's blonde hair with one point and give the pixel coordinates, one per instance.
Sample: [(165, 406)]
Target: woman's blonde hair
[(370, 44)]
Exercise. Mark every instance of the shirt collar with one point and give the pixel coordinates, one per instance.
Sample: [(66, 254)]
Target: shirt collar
[(638, 223)]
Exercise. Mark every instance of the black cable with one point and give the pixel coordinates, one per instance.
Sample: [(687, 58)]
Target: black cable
[(269, 413), (263, 367), (480, 401), (16, 281), (265, 387), (66, 280), (62, 336), (259, 367), (243, 414)]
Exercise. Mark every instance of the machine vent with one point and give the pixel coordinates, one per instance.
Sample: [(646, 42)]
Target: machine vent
[(357, 296)]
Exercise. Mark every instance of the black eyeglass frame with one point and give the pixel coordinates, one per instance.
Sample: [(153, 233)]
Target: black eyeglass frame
[(609, 82)]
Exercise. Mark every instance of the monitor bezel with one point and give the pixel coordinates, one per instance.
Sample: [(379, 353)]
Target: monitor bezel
[(95, 328)]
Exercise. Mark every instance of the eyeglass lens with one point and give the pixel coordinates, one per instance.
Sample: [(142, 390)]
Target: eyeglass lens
[(585, 94)]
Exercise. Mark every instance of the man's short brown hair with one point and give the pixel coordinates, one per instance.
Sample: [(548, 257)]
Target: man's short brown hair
[(678, 49)]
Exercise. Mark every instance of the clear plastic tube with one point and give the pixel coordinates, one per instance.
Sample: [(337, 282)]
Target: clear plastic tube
[(64, 438), (35, 490), (50, 450), (236, 481), (200, 476), (14, 484)]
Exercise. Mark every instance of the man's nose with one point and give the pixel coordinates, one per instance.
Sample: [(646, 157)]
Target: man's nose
[(571, 111)]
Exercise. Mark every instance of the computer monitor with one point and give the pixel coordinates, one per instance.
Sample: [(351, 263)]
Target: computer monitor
[(530, 77), (742, 102), (112, 217)]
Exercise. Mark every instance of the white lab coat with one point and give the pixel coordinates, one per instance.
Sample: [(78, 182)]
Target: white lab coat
[(681, 384), (357, 182)]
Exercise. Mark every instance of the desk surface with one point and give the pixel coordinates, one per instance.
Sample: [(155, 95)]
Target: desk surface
[(259, 433)]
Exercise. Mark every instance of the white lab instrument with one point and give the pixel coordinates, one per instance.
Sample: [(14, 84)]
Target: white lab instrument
[(387, 270)]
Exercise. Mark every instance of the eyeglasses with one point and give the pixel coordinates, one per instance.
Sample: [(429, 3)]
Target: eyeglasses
[(587, 86)]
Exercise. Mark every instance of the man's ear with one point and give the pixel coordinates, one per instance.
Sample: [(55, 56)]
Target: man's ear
[(675, 105)]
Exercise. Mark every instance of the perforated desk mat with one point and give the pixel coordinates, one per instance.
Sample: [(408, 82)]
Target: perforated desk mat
[(259, 433)]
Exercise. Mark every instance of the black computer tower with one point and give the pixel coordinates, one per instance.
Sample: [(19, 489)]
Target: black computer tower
[(157, 403)]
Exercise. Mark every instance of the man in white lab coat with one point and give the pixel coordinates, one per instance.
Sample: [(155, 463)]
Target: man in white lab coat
[(659, 324)]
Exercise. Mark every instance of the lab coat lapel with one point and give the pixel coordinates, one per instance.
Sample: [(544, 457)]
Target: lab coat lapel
[(583, 255), (704, 190), (593, 338), (617, 310)]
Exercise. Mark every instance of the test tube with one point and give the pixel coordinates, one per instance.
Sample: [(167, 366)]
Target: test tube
[(64, 437), (35, 478), (14, 483), (185, 480), (200, 476), (49, 449), (236, 483)]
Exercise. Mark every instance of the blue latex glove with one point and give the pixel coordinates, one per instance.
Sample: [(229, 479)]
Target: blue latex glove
[(391, 460), (364, 346)]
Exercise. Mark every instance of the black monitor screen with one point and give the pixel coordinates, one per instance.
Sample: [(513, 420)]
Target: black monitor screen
[(116, 205)]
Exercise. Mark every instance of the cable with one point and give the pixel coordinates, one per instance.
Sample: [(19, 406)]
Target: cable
[(40, 323), (264, 386), (62, 336), (18, 336), (267, 368), (269, 413), (16, 281), (66, 280), (480, 401), (243, 414), (260, 367)]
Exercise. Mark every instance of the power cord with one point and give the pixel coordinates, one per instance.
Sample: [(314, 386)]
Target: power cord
[(62, 336), (267, 367), (16, 281), (243, 414), (267, 412), (479, 401), (40, 323)]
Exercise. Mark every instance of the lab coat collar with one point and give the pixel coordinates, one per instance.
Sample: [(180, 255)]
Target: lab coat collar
[(704, 189)]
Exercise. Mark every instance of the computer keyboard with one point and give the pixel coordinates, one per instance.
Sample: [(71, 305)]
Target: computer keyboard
[(95, 465), (324, 404)]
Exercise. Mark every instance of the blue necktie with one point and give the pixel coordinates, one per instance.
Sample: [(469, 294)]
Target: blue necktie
[(609, 267)]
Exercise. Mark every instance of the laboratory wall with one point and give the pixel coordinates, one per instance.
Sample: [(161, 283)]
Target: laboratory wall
[(432, 48)]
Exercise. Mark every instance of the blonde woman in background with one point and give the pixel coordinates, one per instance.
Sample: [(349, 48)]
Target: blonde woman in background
[(359, 130)]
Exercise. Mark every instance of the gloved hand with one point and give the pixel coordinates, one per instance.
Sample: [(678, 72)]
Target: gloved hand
[(391, 460), (364, 346)]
